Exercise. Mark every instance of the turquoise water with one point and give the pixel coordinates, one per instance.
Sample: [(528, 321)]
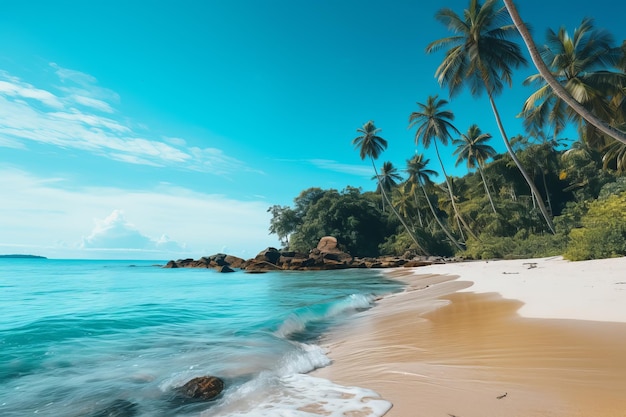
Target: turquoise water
[(116, 338)]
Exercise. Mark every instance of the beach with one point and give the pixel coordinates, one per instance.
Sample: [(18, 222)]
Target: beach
[(541, 337)]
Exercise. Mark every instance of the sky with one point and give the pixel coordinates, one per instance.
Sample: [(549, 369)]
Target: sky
[(165, 129)]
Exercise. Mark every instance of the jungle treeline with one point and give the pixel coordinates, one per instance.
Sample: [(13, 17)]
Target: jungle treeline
[(546, 195)]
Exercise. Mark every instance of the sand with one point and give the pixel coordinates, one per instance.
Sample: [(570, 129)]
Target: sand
[(541, 337)]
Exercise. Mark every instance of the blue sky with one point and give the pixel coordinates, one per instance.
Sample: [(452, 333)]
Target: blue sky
[(165, 129)]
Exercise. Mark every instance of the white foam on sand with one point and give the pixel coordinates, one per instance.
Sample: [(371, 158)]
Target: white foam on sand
[(549, 287)]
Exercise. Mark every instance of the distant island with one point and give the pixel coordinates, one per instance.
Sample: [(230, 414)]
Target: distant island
[(23, 256)]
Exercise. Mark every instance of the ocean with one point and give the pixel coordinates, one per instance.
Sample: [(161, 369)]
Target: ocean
[(117, 338)]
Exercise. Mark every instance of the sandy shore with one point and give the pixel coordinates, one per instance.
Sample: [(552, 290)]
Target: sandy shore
[(541, 337)]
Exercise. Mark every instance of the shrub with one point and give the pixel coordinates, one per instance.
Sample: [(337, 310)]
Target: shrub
[(603, 231)]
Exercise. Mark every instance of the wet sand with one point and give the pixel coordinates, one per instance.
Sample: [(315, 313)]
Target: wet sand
[(438, 349)]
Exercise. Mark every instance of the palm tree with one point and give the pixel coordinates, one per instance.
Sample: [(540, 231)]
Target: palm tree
[(371, 145), (435, 124), (481, 56), (578, 63), (388, 179), (418, 173), (473, 149), (554, 84)]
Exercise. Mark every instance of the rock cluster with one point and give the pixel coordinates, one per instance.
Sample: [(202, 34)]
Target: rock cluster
[(326, 256)]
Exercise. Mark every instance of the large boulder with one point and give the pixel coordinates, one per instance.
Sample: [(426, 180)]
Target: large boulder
[(234, 261), (255, 266), (271, 255), (202, 388), (328, 244)]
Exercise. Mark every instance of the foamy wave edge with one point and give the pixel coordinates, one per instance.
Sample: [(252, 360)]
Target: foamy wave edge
[(298, 321)]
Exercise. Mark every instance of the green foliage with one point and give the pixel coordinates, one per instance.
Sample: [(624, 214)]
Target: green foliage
[(515, 247), (350, 216), (603, 231)]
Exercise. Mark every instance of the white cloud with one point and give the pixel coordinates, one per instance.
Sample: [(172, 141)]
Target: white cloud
[(27, 91), (94, 103), (82, 116), (115, 232), (53, 217), (330, 165)]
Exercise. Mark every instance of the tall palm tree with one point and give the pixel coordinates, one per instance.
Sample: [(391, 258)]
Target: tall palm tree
[(418, 173), (473, 149), (481, 56), (558, 89), (435, 124), (579, 63), (388, 179), (371, 145)]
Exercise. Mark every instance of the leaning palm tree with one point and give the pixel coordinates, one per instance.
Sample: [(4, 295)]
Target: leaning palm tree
[(371, 145), (388, 179), (419, 174), (554, 84), (579, 63), (481, 56), (473, 149), (435, 124)]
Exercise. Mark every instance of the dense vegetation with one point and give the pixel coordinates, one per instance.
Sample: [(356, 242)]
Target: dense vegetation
[(540, 198)]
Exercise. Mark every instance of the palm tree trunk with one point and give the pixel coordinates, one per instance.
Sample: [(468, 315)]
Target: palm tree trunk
[(456, 211), (482, 175), (445, 230), (406, 227), (417, 208), (529, 180), (545, 187), (558, 89)]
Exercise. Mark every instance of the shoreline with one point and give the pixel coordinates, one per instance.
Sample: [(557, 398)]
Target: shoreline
[(492, 338)]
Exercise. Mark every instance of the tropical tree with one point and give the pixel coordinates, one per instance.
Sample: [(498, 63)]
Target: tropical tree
[(482, 56), (554, 84), (371, 145), (419, 174), (578, 63), (388, 179), (435, 124), (473, 149)]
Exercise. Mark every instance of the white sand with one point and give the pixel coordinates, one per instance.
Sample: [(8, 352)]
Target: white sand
[(493, 339), (555, 288)]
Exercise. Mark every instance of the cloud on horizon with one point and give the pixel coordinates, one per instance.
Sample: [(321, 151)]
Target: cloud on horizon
[(115, 232), (55, 217), (79, 114)]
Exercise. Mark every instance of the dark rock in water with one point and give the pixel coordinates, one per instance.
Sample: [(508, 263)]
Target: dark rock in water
[(171, 264), (202, 388), (226, 268), (271, 255), (261, 266), (118, 408)]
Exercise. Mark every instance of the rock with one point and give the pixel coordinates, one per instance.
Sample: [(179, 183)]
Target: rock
[(225, 268), (327, 244), (202, 388), (270, 255), (261, 266), (171, 264), (233, 261)]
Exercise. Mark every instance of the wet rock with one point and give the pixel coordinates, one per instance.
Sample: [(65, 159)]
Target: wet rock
[(202, 388), (255, 266), (271, 255)]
